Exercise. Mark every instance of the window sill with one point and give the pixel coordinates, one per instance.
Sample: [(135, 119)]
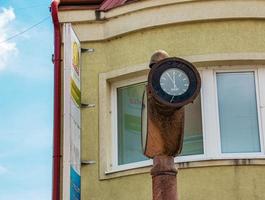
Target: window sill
[(145, 166)]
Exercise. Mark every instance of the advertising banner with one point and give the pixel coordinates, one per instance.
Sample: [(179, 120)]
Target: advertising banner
[(72, 102)]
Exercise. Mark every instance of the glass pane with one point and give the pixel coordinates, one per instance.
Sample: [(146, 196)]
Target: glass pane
[(193, 139), (129, 123), (238, 112)]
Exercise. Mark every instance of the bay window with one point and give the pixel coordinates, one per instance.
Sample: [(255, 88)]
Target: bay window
[(223, 122)]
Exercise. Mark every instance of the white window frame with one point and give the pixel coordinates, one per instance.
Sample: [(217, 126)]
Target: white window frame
[(210, 118), (115, 167), (261, 135)]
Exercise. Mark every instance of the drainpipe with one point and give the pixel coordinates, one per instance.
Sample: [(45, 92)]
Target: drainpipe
[(57, 102)]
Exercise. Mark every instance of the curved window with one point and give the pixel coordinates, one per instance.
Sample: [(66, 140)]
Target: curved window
[(223, 122)]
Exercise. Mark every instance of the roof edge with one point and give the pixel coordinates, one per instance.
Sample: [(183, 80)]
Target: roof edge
[(100, 5)]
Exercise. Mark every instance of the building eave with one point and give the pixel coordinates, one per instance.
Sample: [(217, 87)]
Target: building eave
[(102, 5)]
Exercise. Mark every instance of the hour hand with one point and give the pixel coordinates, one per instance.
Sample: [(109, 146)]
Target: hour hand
[(173, 81)]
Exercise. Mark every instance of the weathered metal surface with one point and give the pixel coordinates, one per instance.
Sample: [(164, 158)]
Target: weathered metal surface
[(164, 178), (165, 126)]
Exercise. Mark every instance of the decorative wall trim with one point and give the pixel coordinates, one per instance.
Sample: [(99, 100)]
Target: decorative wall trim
[(188, 165), (153, 13)]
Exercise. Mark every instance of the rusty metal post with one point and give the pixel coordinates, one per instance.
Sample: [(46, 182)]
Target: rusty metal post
[(164, 178), (163, 138), (165, 128)]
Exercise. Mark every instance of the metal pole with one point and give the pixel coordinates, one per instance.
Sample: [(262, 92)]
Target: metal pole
[(164, 178)]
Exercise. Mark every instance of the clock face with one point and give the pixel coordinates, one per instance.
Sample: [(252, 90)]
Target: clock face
[(174, 81)]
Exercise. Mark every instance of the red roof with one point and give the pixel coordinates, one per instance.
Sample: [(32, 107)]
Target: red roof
[(80, 2), (103, 5)]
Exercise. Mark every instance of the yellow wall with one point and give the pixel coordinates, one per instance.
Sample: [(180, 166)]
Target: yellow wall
[(211, 183), (217, 183), (231, 182)]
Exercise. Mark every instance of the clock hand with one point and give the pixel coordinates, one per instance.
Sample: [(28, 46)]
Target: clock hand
[(174, 78), (172, 99), (170, 77), (174, 82)]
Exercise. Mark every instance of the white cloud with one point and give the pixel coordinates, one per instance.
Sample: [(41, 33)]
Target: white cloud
[(7, 49)]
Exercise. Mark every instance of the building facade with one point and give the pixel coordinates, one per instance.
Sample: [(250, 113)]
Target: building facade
[(223, 156)]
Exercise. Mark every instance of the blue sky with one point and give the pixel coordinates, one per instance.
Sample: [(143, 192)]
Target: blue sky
[(26, 101)]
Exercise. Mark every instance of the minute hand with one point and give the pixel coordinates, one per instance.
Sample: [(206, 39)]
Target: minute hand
[(174, 83), (170, 77)]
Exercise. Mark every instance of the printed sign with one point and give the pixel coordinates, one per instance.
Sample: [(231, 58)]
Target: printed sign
[(72, 103)]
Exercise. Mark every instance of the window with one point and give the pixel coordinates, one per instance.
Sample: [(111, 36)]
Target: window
[(193, 136), (238, 116), (129, 101), (129, 147), (226, 121)]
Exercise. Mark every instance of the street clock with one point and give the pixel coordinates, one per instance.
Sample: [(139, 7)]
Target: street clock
[(174, 82)]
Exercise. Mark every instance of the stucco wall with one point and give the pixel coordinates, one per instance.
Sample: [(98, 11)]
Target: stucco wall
[(235, 36), (218, 183), (229, 183), (200, 38)]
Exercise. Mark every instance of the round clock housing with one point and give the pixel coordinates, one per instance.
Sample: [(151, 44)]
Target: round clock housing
[(174, 82)]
